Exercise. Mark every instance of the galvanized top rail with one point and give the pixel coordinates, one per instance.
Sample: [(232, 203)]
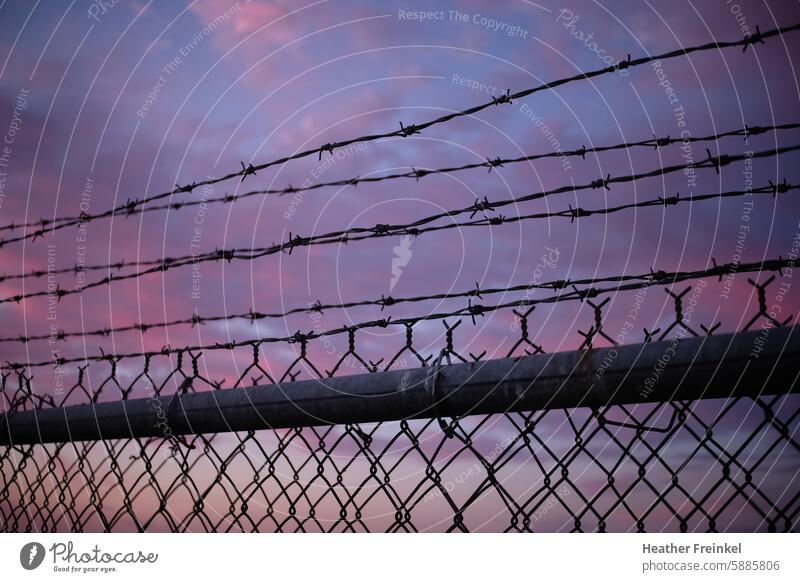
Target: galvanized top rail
[(739, 364)]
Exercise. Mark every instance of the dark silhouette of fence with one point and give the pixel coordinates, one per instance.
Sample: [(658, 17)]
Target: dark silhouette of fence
[(581, 442), (685, 430)]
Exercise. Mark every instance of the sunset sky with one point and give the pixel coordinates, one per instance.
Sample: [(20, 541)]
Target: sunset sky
[(125, 100), (104, 102)]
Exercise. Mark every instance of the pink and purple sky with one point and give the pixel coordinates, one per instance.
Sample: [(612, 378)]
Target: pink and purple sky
[(125, 100), (101, 102)]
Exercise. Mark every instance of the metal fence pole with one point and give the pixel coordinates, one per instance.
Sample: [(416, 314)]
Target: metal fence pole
[(740, 364)]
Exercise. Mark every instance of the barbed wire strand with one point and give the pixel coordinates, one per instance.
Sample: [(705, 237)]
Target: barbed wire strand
[(472, 310), (355, 234), (383, 302), (129, 209), (251, 169)]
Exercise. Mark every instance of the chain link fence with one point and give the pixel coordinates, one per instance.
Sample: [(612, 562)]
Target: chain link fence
[(679, 465)]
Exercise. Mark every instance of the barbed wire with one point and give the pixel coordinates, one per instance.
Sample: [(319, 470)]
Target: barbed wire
[(414, 228), (405, 131), (472, 310), (384, 302), (288, 480), (129, 209)]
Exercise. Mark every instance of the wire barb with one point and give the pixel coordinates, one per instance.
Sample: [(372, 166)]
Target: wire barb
[(495, 163), (717, 162), (504, 98), (752, 39), (601, 183), (577, 212), (671, 200), (248, 170), (409, 130), (328, 147)]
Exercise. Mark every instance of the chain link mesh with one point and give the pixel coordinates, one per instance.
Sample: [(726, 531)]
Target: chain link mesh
[(666, 467), (696, 465)]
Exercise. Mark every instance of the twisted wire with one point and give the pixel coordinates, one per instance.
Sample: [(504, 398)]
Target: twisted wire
[(405, 131), (128, 209), (472, 310), (414, 228)]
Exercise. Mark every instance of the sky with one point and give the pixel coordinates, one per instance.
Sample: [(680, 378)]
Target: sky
[(103, 102)]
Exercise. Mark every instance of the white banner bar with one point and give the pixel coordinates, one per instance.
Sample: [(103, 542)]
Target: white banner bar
[(385, 557)]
